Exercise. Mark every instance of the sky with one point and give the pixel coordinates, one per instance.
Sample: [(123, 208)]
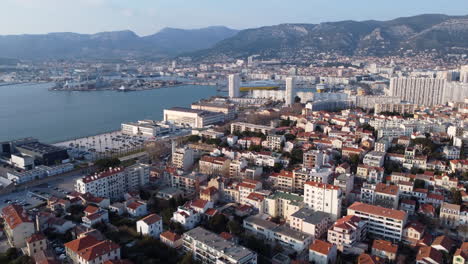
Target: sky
[(146, 17)]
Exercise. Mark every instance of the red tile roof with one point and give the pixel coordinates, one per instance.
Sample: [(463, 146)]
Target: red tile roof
[(429, 253), (226, 235), (199, 203), (368, 259), (81, 243), (170, 236), (378, 210), (387, 189), (322, 185), (384, 245), (35, 237), (15, 215), (101, 175), (321, 247), (91, 209), (151, 219), (97, 250), (134, 205)]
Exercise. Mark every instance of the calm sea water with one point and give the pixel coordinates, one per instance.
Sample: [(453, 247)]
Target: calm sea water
[(30, 110)]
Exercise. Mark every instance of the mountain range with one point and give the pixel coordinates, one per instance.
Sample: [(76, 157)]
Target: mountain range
[(376, 38), (111, 45)]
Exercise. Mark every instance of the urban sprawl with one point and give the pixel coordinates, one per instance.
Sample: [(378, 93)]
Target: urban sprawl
[(340, 161)]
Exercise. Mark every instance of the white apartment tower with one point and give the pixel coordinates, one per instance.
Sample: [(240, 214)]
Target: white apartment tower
[(421, 91), (234, 85), (324, 198), (289, 96), (464, 74)]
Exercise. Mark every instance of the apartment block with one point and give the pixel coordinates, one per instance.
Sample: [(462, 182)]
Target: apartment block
[(324, 198), (381, 222), (210, 248)]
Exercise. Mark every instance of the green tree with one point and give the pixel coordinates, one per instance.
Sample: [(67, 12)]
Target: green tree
[(456, 196), (234, 227), (218, 223), (106, 163), (193, 138)]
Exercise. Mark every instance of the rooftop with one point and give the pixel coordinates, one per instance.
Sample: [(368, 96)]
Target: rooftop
[(218, 243)]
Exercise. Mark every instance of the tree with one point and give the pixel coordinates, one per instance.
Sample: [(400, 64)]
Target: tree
[(106, 163), (166, 215), (463, 230), (218, 223), (289, 137), (187, 259), (193, 138), (234, 227), (456, 196), (419, 184)]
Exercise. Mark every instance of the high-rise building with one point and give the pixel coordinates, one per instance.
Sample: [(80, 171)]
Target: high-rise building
[(421, 91), (289, 99), (234, 85), (324, 198), (464, 74)]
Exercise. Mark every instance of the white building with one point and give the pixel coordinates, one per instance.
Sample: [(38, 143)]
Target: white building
[(347, 232), (150, 225), (18, 226), (374, 159), (208, 247), (114, 182), (324, 198), (322, 252), (381, 222), (234, 83), (192, 117), (311, 222), (289, 95), (421, 91), (272, 232)]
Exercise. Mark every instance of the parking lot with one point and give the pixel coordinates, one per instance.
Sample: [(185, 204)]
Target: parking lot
[(38, 195), (113, 142)]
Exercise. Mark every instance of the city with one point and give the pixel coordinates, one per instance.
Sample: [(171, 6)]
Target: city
[(289, 155)]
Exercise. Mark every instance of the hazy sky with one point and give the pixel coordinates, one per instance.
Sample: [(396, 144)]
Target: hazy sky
[(149, 16)]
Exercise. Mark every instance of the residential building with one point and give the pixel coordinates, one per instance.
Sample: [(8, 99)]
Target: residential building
[(234, 83), (208, 247), (282, 204), (241, 127), (324, 198), (322, 252), (420, 91), (35, 243), (285, 236), (384, 249), (310, 222), (374, 159), (171, 239), (381, 222), (89, 250), (18, 225), (450, 214), (150, 225), (347, 232)]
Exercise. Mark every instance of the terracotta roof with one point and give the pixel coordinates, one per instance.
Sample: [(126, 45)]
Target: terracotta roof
[(134, 205), (429, 253), (322, 185), (97, 250), (15, 215), (151, 219), (170, 236), (256, 197), (35, 237), (387, 189), (199, 203), (226, 235), (321, 247), (443, 241), (210, 191), (45, 257), (91, 209), (384, 245), (211, 212), (418, 227), (378, 210), (368, 259), (101, 175), (81, 243)]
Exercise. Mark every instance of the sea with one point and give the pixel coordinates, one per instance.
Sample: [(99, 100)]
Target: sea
[(31, 110)]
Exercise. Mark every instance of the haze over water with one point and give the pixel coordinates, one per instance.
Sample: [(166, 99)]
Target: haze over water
[(30, 110)]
